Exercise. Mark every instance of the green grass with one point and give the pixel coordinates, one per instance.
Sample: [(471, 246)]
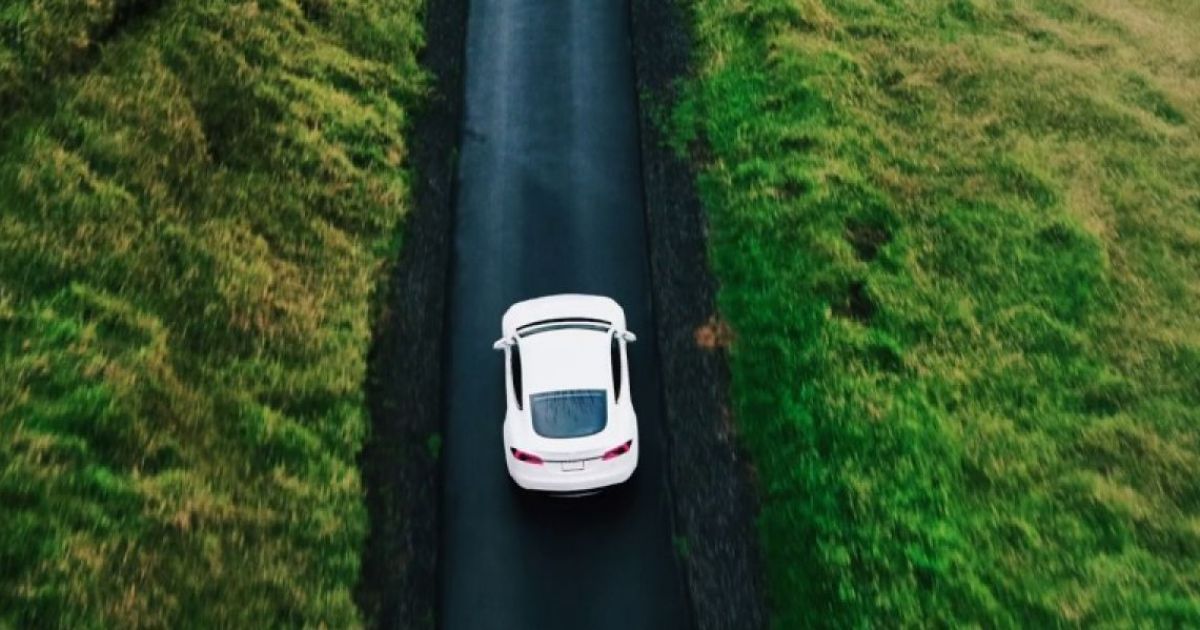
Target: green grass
[(959, 244), (197, 201)]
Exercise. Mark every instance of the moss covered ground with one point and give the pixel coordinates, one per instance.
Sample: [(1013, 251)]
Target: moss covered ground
[(197, 201), (959, 247)]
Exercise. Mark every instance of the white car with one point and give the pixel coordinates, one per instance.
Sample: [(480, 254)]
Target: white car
[(570, 426)]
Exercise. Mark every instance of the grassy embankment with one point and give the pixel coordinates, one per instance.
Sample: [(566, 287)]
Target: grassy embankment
[(959, 244), (197, 199)]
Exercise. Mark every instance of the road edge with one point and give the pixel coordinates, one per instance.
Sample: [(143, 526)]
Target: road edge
[(715, 504), (399, 463)]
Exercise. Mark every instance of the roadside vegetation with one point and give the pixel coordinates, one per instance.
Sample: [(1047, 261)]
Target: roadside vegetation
[(197, 199), (959, 247)]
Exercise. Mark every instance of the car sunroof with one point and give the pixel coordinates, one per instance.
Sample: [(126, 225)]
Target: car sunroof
[(569, 413)]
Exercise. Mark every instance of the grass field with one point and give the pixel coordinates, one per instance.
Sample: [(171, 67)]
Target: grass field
[(959, 246), (197, 199)]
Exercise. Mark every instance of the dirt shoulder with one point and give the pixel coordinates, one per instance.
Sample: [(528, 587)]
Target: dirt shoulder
[(400, 461), (715, 504)]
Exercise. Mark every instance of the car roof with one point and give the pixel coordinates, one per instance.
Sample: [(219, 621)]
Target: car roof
[(565, 357)]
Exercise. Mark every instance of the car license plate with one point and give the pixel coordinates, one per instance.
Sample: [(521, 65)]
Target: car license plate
[(572, 466)]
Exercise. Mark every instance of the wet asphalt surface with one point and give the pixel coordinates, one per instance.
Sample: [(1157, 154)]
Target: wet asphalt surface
[(549, 201)]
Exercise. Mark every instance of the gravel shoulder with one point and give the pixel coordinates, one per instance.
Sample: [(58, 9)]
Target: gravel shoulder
[(400, 461), (715, 503)]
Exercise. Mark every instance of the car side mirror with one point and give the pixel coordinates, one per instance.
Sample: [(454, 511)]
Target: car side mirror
[(628, 337), (502, 343)]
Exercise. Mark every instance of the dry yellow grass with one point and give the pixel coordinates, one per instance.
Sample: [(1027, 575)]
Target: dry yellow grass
[(197, 199)]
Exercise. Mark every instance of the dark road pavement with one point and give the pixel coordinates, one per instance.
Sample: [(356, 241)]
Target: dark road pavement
[(549, 201)]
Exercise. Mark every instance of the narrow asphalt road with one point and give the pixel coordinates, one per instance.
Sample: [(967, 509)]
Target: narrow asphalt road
[(549, 201)]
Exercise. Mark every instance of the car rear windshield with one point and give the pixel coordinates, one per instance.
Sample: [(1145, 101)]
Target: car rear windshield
[(569, 413)]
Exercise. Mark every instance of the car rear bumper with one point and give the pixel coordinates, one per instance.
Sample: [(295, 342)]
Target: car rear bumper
[(550, 477)]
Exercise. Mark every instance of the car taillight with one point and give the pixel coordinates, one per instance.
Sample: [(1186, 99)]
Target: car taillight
[(528, 458), (618, 451)]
